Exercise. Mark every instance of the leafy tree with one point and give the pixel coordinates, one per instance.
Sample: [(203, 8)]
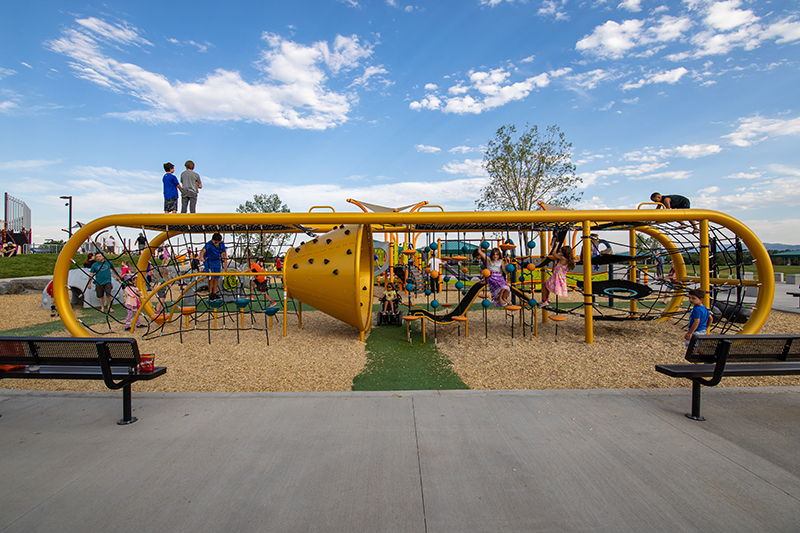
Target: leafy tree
[(263, 244), (529, 168)]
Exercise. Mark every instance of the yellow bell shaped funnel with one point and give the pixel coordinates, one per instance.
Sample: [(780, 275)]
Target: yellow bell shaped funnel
[(333, 274)]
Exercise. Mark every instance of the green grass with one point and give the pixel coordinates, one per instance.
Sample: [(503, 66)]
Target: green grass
[(22, 266), (393, 364)]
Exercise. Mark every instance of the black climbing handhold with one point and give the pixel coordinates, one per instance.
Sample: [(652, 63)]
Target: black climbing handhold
[(347, 231), (297, 249), (349, 251), (328, 241), (311, 261), (364, 288), (326, 261), (316, 240), (336, 272), (294, 265)]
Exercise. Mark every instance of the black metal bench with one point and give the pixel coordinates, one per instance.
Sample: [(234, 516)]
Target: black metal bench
[(751, 355), (114, 360), (796, 295)]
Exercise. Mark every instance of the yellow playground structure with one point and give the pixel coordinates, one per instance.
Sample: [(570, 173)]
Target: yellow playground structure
[(333, 269)]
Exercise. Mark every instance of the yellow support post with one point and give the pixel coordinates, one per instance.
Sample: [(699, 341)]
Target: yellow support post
[(632, 265), (705, 264), (588, 318)]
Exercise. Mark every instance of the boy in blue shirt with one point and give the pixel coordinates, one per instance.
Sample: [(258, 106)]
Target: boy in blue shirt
[(216, 260), (700, 319), (171, 188)]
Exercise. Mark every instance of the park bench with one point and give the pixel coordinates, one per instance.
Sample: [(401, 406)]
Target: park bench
[(718, 356), (114, 360), (796, 295)]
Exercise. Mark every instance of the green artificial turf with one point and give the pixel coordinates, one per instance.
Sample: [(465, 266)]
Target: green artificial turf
[(393, 364)]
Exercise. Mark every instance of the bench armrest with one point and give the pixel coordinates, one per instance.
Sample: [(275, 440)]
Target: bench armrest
[(721, 355), (104, 355)]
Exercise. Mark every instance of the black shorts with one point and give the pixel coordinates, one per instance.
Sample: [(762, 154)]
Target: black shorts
[(170, 204), (100, 290)]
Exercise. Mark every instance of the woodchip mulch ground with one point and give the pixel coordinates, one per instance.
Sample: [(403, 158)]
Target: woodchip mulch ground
[(326, 354)]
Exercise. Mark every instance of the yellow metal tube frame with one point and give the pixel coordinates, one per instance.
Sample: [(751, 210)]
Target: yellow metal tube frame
[(137, 221)]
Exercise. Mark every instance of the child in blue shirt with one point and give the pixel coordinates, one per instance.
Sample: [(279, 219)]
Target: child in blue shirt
[(171, 188), (700, 319)]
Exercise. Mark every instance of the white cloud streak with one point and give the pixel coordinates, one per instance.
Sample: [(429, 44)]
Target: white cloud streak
[(295, 93), (753, 130)]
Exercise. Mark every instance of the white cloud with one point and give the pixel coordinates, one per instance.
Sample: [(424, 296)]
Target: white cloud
[(724, 15), (468, 167), (464, 149), (770, 194), (28, 164), (743, 176), (664, 76), (785, 231), (484, 90), (631, 5), (668, 175), (427, 149), (123, 34), (784, 31), (295, 93), (694, 151), (611, 40), (4, 72), (553, 8), (755, 129), (431, 87)]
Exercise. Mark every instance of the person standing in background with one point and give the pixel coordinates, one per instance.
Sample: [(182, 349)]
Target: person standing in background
[(190, 184)]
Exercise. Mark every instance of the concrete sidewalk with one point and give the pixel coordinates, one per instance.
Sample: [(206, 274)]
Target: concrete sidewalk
[(454, 461)]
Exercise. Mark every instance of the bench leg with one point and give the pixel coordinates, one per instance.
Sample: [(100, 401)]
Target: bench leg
[(695, 414), (126, 407)]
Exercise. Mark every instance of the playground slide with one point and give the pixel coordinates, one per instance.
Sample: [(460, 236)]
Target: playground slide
[(459, 310)]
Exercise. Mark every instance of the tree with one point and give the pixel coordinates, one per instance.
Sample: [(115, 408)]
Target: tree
[(535, 167), (263, 244)]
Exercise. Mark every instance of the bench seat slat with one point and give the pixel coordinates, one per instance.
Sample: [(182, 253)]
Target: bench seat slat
[(81, 372), (743, 369)]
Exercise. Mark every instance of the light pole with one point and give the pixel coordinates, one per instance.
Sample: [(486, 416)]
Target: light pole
[(69, 203)]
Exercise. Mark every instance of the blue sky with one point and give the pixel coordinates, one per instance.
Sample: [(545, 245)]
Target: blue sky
[(392, 102)]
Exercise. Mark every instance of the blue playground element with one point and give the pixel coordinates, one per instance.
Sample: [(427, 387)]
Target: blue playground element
[(486, 303), (510, 268), (410, 287), (434, 245), (459, 285), (428, 292), (531, 244), (435, 304), (485, 245)]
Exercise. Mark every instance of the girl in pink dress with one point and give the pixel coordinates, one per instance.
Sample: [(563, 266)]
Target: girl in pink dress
[(563, 261)]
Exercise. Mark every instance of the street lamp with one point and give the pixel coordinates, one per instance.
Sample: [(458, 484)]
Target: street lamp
[(69, 203)]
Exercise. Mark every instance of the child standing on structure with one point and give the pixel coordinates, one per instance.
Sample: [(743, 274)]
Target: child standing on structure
[(497, 282), (190, 185), (563, 261), (700, 319)]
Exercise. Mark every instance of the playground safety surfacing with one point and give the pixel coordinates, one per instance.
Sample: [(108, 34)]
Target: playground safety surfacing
[(422, 461)]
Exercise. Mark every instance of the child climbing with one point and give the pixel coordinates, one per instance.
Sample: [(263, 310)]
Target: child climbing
[(497, 282), (563, 261)]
